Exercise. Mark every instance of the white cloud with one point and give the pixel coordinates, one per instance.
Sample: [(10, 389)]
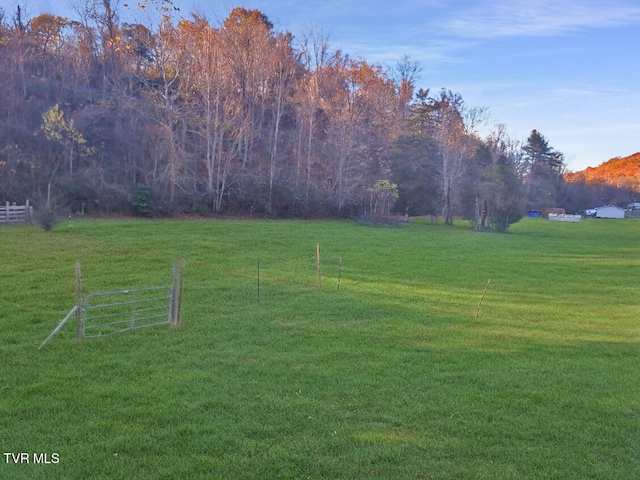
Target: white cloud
[(501, 18)]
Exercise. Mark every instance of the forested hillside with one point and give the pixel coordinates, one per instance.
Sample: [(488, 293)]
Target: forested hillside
[(616, 182), (177, 115), (617, 172)]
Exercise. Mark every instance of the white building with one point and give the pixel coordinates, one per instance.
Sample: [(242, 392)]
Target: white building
[(610, 211)]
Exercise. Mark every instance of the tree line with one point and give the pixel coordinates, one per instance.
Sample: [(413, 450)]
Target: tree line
[(237, 118)]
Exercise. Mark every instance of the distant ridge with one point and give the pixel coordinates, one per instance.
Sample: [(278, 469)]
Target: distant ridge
[(617, 172)]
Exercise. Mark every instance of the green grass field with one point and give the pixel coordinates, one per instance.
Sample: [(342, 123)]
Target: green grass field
[(383, 372)]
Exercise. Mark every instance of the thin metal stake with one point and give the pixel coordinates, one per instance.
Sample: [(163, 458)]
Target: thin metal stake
[(482, 299)]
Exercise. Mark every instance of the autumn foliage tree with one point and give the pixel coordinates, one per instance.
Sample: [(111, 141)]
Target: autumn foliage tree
[(234, 117)]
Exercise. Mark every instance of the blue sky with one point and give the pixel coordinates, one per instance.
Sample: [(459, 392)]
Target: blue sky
[(568, 68)]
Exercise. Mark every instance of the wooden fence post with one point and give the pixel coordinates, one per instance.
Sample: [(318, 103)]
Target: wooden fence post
[(319, 270), (79, 318), (258, 280), (176, 293)]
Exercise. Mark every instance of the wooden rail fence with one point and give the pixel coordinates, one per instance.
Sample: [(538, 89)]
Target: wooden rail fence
[(12, 213)]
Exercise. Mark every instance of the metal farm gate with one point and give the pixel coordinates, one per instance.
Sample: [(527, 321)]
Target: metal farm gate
[(108, 313)]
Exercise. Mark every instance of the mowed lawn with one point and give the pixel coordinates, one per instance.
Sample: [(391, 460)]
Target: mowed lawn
[(387, 370)]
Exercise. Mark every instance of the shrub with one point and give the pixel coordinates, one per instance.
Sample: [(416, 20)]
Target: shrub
[(48, 210), (141, 201)]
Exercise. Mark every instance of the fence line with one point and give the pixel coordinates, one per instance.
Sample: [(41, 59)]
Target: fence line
[(108, 313), (12, 213)]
